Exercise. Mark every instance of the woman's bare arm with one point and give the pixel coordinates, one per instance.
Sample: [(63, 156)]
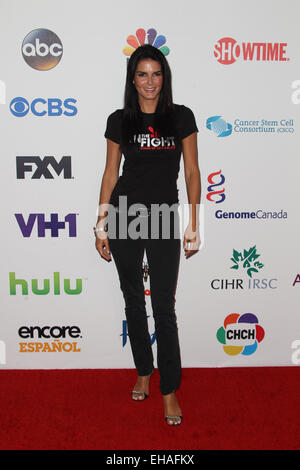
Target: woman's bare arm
[(109, 180), (110, 175), (193, 186)]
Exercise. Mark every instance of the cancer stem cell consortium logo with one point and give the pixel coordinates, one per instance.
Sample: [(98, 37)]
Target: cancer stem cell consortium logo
[(222, 128), (240, 334), (145, 37), (219, 126)]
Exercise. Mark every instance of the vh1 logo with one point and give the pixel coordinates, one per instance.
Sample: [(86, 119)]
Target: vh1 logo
[(54, 225), (39, 167)]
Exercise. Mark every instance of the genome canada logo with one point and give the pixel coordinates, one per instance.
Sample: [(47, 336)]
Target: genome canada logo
[(55, 339), (258, 215), (215, 190), (143, 36), (248, 264), (240, 334), (221, 128), (228, 50), (52, 107), (42, 49)]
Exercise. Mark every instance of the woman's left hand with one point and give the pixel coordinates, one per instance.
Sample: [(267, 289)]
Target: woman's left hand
[(191, 242)]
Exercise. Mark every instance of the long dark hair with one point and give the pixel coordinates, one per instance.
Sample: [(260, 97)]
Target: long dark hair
[(132, 117)]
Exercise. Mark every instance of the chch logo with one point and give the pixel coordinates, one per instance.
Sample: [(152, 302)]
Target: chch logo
[(216, 195), (140, 39), (220, 127), (42, 49), (247, 260), (240, 334)]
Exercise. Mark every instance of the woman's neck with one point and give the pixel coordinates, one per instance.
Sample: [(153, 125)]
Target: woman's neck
[(148, 106)]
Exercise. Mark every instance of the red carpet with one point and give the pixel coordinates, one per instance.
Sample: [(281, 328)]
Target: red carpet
[(230, 408)]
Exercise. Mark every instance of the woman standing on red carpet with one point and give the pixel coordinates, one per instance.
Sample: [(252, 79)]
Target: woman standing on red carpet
[(151, 132)]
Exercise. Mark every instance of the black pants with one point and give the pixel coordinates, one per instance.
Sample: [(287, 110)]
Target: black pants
[(163, 256)]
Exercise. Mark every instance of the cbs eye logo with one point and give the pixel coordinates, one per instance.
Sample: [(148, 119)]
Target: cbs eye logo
[(42, 49)]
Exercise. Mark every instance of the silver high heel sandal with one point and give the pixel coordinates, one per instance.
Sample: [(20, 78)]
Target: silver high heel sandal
[(140, 393), (144, 394), (171, 423)]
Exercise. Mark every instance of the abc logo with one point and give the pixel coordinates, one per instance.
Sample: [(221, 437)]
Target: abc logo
[(42, 49)]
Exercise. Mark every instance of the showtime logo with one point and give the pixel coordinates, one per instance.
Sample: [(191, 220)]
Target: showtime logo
[(227, 51)]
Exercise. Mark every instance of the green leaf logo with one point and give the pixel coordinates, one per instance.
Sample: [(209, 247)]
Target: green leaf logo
[(247, 260)]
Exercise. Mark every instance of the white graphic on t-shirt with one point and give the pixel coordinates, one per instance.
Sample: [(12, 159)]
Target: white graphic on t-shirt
[(154, 141)]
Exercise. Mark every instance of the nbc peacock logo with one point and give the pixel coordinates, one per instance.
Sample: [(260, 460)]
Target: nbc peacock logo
[(240, 334), (142, 37)]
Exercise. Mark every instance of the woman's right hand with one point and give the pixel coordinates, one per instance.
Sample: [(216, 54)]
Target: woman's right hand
[(102, 246)]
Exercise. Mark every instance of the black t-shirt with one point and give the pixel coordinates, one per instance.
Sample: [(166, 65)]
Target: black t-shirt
[(152, 162)]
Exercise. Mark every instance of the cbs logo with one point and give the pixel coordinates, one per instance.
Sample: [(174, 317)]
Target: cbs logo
[(19, 107), (42, 49)]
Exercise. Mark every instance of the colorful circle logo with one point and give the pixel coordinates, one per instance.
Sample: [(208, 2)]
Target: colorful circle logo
[(240, 334)]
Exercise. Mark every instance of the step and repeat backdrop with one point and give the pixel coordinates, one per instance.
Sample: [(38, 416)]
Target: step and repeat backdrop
[(62, 72)]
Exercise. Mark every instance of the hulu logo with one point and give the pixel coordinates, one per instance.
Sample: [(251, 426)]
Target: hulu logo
[(45, 288)]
